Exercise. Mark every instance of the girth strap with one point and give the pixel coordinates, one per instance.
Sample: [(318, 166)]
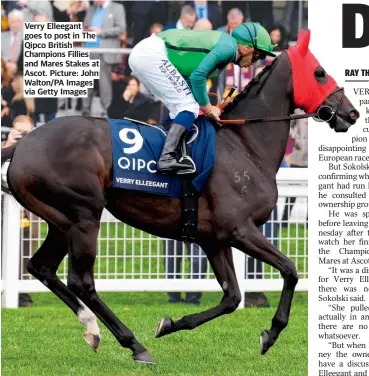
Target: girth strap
[(189, 210)]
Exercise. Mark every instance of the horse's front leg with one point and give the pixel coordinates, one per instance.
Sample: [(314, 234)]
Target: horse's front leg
[(222, 264), (82, 239), (251, 241)]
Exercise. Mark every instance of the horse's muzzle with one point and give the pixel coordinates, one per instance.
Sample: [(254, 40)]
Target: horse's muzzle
[(341, 125)]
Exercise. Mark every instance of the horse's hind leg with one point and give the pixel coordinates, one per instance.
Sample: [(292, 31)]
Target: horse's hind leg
[(252, 242), (222, 264), (82, 238), (44, 264)]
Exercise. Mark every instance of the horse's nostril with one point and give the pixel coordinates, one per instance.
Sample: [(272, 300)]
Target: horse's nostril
[(354, 115)]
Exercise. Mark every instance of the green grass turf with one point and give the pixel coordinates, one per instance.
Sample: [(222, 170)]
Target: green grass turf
[(48, 340)]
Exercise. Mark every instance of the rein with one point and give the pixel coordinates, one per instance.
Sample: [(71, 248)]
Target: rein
[(323, 114), (267, 119)]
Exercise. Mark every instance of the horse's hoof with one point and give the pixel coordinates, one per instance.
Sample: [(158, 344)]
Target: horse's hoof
[(164, 327), (143, 358), (265, 342), (92, 340)]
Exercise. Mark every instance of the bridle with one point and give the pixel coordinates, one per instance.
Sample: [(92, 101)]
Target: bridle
[(323, 114)]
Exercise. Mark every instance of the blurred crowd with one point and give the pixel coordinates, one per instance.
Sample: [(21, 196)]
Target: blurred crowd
[(122, 24)]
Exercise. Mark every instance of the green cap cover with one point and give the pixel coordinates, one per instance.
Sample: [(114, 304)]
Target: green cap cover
[(254, 35)]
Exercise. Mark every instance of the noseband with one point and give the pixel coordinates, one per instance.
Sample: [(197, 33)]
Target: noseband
[(326, 113), (323, 114)]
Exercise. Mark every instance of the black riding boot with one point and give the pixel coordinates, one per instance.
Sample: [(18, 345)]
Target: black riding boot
[(172, 160)]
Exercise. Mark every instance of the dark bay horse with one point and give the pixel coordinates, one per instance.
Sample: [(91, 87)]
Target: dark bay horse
[(62, 172)]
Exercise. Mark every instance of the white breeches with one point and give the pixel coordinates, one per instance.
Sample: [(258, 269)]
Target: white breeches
[(149, 62)]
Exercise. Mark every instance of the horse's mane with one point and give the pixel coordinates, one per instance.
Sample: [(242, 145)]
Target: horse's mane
[(260, 78)]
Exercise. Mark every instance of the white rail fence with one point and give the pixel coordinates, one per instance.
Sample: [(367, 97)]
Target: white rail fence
[(131, 260)]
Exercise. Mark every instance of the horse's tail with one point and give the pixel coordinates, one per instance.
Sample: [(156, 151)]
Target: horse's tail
[(6, 155)]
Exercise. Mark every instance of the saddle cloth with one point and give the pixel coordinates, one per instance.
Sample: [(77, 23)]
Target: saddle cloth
[(137, 147)]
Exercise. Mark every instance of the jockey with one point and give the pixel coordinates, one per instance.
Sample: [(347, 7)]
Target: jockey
[(175, 66)]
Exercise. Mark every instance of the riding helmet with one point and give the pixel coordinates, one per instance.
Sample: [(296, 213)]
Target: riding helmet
[(254, 35)]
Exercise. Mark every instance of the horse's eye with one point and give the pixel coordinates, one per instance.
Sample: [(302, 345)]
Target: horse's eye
[(319, 73)]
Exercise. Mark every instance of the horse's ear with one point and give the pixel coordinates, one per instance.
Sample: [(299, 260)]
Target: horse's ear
[(301, 36), (303, 42)]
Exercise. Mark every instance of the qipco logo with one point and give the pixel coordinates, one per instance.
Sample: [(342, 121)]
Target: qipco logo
[(353, 16), (133, 138)]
